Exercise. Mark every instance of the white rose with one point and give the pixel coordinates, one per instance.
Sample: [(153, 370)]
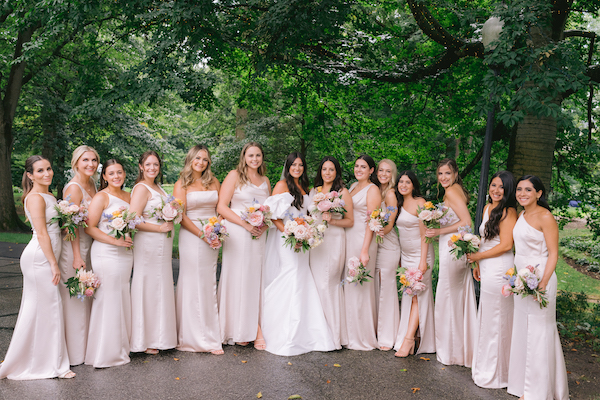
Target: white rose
[(468, 237), (301, 233), (118, 224), (425, 215), (476, 241), (74, 208), (321, 228), (319, 197)]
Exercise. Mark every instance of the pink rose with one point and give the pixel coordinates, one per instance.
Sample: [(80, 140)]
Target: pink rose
[(425, 215), (319, 197), (353, 263), (419, 287), (324, 206), (301, 233), (255, 218), (333, 194), (408, 291), (169, 212), (89, 292), (74, 208), (506, 290), (352, 272)]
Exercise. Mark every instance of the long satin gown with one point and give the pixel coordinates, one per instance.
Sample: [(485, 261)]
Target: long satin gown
[(197, 312), (360, 301), (537, 365), (494, 318), (292, 318), (38, 349), (110, 320), (240, 283), (386, 289), (152, 290), (410, 237), (76, 312), (327, 267), (455, 309)]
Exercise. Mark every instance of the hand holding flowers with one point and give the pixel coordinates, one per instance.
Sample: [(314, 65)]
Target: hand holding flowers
[(70, 217), (303, 233), (411, 280), (213, 232), (331, 202), (122, 223), (169, 211), (258, 216), (379, 219), (463, 243), (357, 273), (83, 284), (433, 216), (525, 282)]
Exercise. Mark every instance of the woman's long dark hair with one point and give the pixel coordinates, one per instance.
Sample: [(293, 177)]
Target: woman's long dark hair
[(454, 168), (26, 182), (289, 179), (143, 159), (497, 214), (537, 185), (108, 163), (338, 183), (416, 192), (369, 160)]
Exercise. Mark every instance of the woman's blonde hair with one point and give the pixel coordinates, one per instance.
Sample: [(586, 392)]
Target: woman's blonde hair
[(186, 175), (390, 184), (242, 168), (78, 152)]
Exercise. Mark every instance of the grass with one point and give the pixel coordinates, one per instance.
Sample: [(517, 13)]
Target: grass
[(570, 279)]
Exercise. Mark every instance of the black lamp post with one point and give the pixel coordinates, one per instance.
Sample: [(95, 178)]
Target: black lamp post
[(490, 33)]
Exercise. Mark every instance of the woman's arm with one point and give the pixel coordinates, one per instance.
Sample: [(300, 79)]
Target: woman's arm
[(373, 202), (99, 203), (391, 201), (73, 193), (456, 200), (348, 220), (506, 238), (550, 231), (36, 205), (280, 187), (139, 197), (225, 195)]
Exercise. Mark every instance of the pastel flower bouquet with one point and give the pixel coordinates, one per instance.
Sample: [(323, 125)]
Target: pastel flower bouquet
[(122, 223), (357, 273), (525, 283), (411, 280), (213, 231), (169, 211), (464, 242), (70, 217), (433, 216), (379, 219), (303, 233), (83, 284), (327, 202), (257, 215)]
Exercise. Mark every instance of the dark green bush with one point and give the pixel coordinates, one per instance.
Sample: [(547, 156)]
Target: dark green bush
[(577, 318)]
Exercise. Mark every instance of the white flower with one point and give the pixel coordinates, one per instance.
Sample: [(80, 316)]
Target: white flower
[(476, 241), (301, 232), (319, 197), (519, 283), (375, 225), (468, 237), (321, 228), (74, 208), (118, 224), (169, 212), (425, 215)]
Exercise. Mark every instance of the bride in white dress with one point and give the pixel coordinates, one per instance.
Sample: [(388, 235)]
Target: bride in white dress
[(292, 318)]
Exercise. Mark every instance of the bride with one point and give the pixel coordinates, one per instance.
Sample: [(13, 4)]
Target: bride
[(292, 318)]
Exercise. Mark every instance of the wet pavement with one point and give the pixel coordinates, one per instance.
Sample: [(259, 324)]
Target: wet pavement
[(241, 373)]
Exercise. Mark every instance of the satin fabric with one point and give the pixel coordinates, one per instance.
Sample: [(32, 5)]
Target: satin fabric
[(360, 301), (197, 312), (240, 282), (110, 319), (410, 237), (327, 267), (386, 289), (494, 318), (537, 365), (37, 348), (76, 312), (152, 290), (292, 319), (455, 309)]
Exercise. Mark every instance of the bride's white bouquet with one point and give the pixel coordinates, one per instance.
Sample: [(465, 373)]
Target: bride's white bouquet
[(303, 233)]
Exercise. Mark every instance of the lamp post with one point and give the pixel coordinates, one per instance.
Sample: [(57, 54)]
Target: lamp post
[(489, 33)]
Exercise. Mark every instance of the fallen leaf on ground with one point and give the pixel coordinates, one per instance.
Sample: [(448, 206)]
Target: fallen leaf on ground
[(325, 364), (259, 395), (573, 349), (594, 355), (235, 355), (337, 365), (175, 358), (294, 396), (444, 368), (568, 372), (415, 390), (328, 381), (244, 361), (289, 363), (403, 370), (577, 382), (145, 361), (177, 378), (424, 358)]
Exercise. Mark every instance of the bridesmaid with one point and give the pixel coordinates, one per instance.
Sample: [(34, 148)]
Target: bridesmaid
[(537, 365), (152, 294), (240, 284), (75, 255), (495, 257), (110, 319), (360, 301), (327, 260), (197, 312), (455, 309), (388, 255), (417, 311), (38, 349)]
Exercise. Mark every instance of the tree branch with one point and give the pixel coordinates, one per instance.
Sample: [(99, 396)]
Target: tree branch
[(576, 33)]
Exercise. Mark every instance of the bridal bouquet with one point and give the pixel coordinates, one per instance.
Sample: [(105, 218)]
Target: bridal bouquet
[(525, 283), (257, 215), (70, 217), (464, 243), (213, 230), (169, 211), (411, 280), (122, 223), (303, 233), (327, 202), (379, 219), (357, 273), (83, 284), (433, 216)]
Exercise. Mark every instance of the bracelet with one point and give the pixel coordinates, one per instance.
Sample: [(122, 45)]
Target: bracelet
[(200, 234)]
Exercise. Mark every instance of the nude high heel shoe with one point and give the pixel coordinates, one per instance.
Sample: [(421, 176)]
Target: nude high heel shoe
[(404, 352)]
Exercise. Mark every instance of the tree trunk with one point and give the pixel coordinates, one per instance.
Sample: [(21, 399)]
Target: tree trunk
[(532, 150), (241, 117), (9, 220)]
